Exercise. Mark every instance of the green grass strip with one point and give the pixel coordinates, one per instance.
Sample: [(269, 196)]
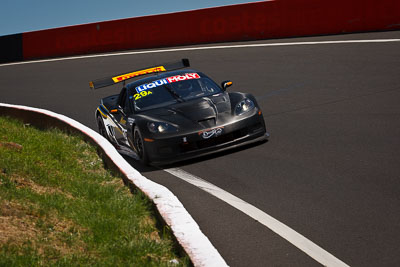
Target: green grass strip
[(59, 206)]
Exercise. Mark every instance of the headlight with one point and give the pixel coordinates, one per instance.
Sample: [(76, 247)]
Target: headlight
[(244, 106), (161, 127)]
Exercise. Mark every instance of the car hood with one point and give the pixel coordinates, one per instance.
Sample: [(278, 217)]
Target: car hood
[(205, 112)]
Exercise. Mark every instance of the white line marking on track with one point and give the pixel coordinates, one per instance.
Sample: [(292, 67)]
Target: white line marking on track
[(298, 240), (203, 48)]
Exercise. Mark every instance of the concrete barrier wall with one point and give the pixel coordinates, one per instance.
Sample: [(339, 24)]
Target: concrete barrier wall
[(252, 21), (11, 48)]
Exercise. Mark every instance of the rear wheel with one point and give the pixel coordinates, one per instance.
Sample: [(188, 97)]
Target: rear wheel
[(140, 146)]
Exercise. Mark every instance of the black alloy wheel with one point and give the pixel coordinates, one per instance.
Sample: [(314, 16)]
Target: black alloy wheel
[(140, 146)]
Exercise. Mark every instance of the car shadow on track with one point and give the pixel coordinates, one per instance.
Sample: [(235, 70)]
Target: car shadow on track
[(150, 168), (139, 166)]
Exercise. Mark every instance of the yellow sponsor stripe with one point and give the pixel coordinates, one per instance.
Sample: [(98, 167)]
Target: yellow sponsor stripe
[(102, 114), (104, 107), (123, 77)]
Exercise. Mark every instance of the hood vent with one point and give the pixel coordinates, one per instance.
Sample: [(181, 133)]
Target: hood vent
[(207, 123)]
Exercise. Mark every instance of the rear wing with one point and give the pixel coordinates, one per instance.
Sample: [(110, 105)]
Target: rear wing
[(99, 83)]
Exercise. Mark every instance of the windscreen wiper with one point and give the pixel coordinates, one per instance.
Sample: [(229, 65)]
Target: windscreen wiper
[(173, 93)]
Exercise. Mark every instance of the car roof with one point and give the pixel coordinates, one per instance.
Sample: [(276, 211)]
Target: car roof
[(161, 75)]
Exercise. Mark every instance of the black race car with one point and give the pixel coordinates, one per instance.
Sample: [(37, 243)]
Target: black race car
[(175, 113)]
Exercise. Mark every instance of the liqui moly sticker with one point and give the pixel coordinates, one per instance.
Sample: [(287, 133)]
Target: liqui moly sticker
[(172, 79)]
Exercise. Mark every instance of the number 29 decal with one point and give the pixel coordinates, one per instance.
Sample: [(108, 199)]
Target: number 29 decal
[(141, 94)]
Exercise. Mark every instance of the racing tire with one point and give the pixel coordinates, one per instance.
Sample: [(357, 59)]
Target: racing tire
[(140, 147)]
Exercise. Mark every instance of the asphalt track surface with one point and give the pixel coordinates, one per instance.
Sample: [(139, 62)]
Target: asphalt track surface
[(330, 170)]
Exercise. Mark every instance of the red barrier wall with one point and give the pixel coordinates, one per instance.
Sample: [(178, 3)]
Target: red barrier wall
[(253, 21)]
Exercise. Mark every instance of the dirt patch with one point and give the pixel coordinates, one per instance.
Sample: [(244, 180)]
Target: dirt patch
[(15, 224), (148, 222), (119, 183), (11, 145), (21, 182), (18, 226)]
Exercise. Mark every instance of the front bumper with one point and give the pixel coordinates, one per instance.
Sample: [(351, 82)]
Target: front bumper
[(186, 146)]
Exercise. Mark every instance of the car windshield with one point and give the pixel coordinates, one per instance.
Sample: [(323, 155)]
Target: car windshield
[(170, 90)]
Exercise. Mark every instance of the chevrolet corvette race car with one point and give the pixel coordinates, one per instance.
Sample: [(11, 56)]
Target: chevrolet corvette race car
[(176, 113)]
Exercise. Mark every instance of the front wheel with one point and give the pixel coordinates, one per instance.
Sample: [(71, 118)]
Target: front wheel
[(102, 128), (140, 146)]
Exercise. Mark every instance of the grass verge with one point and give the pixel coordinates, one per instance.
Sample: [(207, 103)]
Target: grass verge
[(60, 206)]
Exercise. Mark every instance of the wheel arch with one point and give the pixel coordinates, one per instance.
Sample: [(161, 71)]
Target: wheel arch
[(96, 115)]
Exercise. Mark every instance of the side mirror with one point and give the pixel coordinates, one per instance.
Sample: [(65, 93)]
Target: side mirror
[(226, 84), (119, 109)]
